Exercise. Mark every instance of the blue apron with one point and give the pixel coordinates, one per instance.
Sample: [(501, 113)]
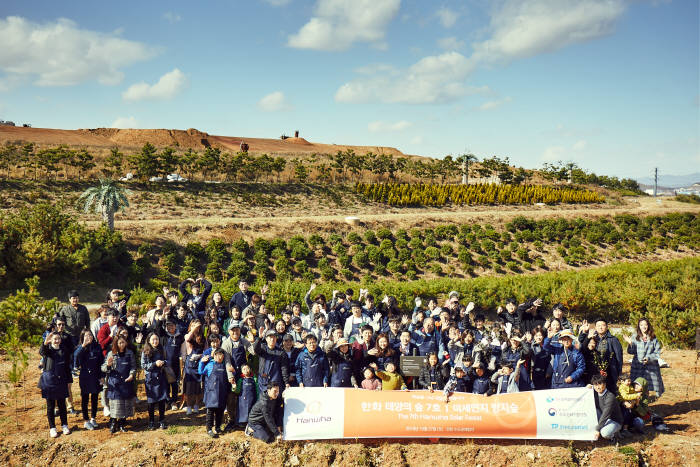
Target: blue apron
[(117, 388), (90, 361), (54, 382), (156, 382), (341, 376), (216, 387), (247, 399)]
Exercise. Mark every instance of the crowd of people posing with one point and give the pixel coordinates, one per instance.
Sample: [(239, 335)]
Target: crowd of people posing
[(237, 358)]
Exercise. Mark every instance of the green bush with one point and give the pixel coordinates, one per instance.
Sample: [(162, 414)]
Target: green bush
[(354, 238), (370, 237), (361, 260), (384, 233), (432, 252), (27, 313)]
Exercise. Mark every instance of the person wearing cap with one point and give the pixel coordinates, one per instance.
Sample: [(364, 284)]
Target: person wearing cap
[(340, 358), (297, 330), (76, 316), (568, 364), (428, 339), (271, 363), (312, 369), (237, 349), (117, 299)]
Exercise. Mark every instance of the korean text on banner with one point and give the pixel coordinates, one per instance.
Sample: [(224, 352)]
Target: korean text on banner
[(327, 413)]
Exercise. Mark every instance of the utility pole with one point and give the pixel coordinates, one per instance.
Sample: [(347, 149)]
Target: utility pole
[(656, 180)]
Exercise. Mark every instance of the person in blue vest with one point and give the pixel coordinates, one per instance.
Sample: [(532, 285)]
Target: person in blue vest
[(568, 364), (428, 338), (340, 358), (247, 392), (197, 296), (481, 380), (172, 343), (540, 362), (216, 389), (88, 359), (265, 418), (54, 381), (237, 349), (120, 368), (156, 382), (271, 367), (312, 365)]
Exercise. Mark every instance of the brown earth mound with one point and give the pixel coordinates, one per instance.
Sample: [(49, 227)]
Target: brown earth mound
[(131, 139)]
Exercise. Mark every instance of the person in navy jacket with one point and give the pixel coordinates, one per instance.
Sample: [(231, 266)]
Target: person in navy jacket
[(427, 339), (197, 296), (156, 382), (568, 364), (312, 365), (120, 367), (271, 363), (540, 362), (340, 358), (172, 342), (481, 381), (216, 390), (247, 392), (88, 359), (54, 380)]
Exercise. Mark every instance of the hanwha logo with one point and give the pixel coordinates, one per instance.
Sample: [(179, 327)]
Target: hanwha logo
[(552, 412), (314, 408), (550, 399)]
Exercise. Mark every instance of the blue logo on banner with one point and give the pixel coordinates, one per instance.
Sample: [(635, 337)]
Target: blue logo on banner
[(550, 399), (552, 412)]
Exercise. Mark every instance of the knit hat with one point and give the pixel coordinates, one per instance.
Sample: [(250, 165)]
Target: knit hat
[(234, 324)]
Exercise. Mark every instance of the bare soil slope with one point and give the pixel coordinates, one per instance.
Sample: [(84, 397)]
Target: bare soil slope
[(191, 138), (185, 442)]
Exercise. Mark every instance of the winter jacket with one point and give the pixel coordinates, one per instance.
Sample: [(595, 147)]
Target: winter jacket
[(123, 366), (89, 361), (56, 374), (156, 382), (267, 413), (569, 363), (312, 369), (200, 301), (432, 374), (271, 365)]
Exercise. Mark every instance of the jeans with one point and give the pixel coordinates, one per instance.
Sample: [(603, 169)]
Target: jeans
[(215, 417), (260, 432), (152, 411), (608, 430)]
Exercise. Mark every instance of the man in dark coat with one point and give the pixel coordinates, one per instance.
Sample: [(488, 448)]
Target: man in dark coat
[(272, 366), (76, 316), (265, 419), (608, 409)]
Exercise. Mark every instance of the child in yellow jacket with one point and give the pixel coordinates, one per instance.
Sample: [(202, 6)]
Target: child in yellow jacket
[(391, 381)]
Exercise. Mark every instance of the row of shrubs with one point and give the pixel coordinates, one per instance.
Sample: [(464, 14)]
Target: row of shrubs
[(453, 250), (668, 292), (421, 194)]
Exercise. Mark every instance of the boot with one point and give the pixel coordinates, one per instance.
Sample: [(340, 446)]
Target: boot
[(112, 425), (122, 428)]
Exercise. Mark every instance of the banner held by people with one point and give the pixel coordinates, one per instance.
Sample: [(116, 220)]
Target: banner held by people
[(331, 413)]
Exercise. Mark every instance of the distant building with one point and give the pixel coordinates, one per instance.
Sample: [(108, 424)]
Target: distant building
[(7, 123)]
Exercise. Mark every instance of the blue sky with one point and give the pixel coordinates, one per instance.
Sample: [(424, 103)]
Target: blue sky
[(609, 84)]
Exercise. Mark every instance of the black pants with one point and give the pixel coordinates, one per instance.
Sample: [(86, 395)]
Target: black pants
[(50, 411), (84, 397), (214, 416), (174, 389), (152, 410)]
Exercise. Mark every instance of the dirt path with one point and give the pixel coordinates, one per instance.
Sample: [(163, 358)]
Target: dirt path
[(186, 441)]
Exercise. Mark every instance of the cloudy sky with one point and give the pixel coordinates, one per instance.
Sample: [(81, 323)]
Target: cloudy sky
[(610, 84)]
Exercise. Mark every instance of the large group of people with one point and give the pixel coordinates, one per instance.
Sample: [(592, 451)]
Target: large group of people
[(236, 358)]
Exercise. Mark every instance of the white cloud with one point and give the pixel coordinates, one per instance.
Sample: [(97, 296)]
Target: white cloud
[(168, 86), (433, 79), (338, 24), (124, 122), (553, 153), (447, 17), (385, 127), (490, 105), (61, 54), (417, 140), (450, 43), (526, 28), (172, 17), (274, 102), (277, 2), (579, 145)]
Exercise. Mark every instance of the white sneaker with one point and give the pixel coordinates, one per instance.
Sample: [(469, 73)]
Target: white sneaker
[(105, 412), (174, 406), (196, 409), (66, 430), (189, 410), (88, 426), (53, 433), (93, 422)]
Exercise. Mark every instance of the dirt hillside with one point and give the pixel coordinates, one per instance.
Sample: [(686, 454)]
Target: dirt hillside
[(135, 138), (185, 442)]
